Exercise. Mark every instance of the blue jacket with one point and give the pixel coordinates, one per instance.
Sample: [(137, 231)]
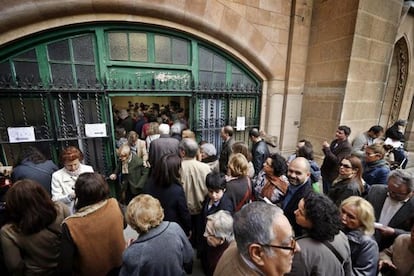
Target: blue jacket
[(163, 250), (41, 172), (376, 173), (364, 253)]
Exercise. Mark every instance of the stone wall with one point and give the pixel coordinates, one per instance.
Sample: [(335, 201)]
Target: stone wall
[(350, 52)]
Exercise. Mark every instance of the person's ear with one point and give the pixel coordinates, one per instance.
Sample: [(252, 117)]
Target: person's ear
[(256, 254)]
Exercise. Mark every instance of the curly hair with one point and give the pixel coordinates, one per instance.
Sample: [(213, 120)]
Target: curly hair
[(70, 154), (322, 212), (279, 165), (143, 213)]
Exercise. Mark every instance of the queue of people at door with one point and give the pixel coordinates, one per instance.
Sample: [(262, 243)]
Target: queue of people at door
[(279, 219)]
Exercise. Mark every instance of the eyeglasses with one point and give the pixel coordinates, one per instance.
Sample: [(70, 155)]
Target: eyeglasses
[(292, 246), (346, 166), (399, 195)]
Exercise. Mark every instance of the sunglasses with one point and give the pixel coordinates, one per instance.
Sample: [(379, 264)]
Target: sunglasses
[(346, 166)]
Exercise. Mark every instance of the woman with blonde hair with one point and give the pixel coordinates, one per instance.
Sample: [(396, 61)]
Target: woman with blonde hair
[(161, 248), (239, 187), (357, 217)]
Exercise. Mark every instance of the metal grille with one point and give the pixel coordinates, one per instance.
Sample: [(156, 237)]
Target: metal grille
[(59, 113), (58, 116)]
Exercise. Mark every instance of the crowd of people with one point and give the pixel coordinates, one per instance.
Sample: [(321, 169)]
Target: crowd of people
[(241, 210)]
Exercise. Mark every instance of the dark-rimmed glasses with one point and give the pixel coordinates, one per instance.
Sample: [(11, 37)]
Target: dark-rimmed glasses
[(292, 246)]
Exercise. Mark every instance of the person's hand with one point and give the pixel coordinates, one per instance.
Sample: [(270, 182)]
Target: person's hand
[(72, 196), (128, 243), (325, 144), (112, 176), (386, 263), (386, 230)]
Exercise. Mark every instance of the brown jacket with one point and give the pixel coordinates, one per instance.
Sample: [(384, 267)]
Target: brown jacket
[(97, 232)]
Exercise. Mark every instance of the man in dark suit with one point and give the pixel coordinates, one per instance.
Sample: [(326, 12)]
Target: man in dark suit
[(226, 135), (334, 153), (394, 207), (299, 186), (260, 151)]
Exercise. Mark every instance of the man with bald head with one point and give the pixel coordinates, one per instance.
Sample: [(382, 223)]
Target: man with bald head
[(300, 184)]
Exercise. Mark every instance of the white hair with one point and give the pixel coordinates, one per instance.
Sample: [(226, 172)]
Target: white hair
[(164, 129)]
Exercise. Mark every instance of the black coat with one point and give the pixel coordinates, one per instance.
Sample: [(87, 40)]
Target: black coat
[(260, 152), (292, 205), (333, 155), (173, 201), (400, 221)]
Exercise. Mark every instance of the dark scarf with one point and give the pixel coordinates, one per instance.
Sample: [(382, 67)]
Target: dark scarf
[(209, 159)]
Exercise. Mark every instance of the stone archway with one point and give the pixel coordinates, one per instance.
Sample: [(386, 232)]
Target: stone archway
[(397, 81)]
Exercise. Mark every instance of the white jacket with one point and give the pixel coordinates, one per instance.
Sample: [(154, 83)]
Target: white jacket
[(63, 185)]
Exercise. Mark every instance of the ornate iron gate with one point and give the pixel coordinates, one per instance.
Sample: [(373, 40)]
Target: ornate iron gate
[(58, 116)]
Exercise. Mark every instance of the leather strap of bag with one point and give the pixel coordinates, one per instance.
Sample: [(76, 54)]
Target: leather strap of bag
[(334, 251), (246, 196)]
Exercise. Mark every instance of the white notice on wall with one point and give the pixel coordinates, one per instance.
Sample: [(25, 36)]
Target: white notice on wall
[(21, 134), (95, 130), (241, 123)]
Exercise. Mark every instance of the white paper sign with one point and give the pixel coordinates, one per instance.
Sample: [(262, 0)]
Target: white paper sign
[(21, 134), (95, 130), (241, 123)]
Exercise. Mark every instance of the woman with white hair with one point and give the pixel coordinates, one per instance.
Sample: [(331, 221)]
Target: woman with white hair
[(161, 248), (209, 156), (219, 234)]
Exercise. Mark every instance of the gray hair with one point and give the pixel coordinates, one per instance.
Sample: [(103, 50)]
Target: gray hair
[(209, 149), (164, 129), (176, 128), (189, 146), (222, 223), (405, 178), (254, 224)]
